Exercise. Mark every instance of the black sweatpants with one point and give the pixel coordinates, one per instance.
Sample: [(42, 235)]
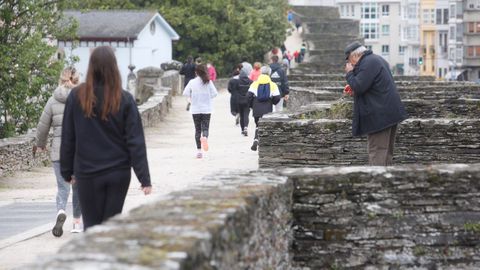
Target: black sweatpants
[(244, 111), (202, 123), (102, 197), (257, 118)]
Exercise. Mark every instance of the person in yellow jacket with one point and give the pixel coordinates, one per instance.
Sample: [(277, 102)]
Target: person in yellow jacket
[(262, 95)]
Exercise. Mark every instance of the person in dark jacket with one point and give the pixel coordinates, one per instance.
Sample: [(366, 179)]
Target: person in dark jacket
[(239, 89), (102, 138), (262, 95), (188, 71), (233, 99), (280, 78), (377, 106)]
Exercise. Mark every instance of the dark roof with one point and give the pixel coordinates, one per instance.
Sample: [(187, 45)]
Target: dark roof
[(113, 24)]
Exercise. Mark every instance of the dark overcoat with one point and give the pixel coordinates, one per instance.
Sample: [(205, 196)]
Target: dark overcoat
[(377, 104)]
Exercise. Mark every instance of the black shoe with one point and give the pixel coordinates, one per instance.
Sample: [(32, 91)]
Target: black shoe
[(245, 132), (254, 145)]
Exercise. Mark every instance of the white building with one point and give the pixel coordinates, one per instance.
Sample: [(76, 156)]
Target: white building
[(139, 38), (382, 27), (441, 36)]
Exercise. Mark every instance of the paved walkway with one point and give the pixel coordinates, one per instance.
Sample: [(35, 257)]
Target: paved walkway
[(28, 197)]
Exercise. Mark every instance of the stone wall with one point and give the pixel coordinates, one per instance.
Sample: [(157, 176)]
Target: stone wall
[(397, 218), (309, 139), (404, 217), (232, 221), (16, 153)]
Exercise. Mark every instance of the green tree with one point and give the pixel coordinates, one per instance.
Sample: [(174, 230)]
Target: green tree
[(221, 31), (100, 4), (28, 67)]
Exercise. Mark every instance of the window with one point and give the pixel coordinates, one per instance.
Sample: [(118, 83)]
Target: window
[(452, 11), (477, 51), (385, 10), (445, 16), (428, 16), (471, 27), (369, 11), (401, 50), (385, 30), (478, 27), (440, 72), (439, 16), (470, 51), (369, 47), (412, 11), (342, 10), (369, 30), (452, 32), (412, 32), (385, 49)]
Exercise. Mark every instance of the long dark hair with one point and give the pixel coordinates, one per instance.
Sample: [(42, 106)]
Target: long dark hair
[(102, 71), (202, 72)]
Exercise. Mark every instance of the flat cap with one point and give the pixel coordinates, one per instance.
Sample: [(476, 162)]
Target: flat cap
[(351, 47)]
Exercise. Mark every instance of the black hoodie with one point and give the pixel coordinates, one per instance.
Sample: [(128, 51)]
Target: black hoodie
[(92, 146)]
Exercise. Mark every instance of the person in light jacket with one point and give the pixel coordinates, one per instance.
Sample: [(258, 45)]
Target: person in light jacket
[(102, 139), (52, 116), (200, 91), (377, 107)]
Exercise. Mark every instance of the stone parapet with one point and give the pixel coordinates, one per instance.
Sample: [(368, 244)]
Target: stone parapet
[(231, 221), (16, 154), (304, 140), (405, 217)]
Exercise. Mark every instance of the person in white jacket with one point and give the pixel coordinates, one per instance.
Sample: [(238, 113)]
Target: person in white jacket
[(52, 116), (200, 92)]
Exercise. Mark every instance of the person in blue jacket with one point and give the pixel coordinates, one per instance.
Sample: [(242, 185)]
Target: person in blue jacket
[(377, 108), (102, 139)]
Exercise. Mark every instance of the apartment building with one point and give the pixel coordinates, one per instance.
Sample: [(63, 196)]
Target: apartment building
[(381, 25), (464, 40), (427, 37), (411, 32)]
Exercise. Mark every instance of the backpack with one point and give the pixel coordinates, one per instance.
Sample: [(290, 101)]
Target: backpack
[(263, 92)]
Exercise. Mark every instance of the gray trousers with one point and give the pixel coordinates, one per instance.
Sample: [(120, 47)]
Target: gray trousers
[(380, 147), (63, 190)]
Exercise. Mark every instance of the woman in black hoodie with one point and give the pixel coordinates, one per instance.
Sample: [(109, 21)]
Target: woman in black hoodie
[(239, 89), (102, 138)]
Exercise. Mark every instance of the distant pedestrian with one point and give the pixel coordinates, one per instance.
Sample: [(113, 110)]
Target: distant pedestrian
[(102, 139), (279, 77), (212, 72), (296, 55), (239, 89), (377, 108), (200, 92), (233, 101), (262, 95), (298, 23), (256, 71), (52, 116), (303, 51), (246, 66), (188, 70)]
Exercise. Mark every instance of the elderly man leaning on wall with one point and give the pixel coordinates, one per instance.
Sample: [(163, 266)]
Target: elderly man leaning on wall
[(377, 106)]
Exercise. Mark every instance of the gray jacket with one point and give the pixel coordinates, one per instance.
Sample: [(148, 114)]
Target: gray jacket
[(52, 116)]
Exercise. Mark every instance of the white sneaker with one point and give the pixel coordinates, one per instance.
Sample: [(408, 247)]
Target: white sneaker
[(77, 228), (57, 230)]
